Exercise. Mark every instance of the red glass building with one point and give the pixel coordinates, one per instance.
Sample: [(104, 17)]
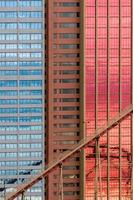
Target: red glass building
[(109, 89)]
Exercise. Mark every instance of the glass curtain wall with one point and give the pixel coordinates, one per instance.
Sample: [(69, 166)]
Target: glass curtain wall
[(21, 94), (108, 29)]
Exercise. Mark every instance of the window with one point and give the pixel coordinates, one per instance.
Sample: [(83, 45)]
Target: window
[(24, 154), (36, 36), (69, 14), (30, 110), (6, 83), (70, 176), (66, 64), (34, 145), (70, 80), (8, 25), (30, 128), (11, 3), (69, 35), (30, 83), (31, 119), (30, 92), (71, 167), (9, 14), (11, 146), (8, 110), (10, 155), (67, 133), (30, 25), (70, 116), (65, 108), (24, 137), (24, 146), (8, 101), (11, 137), (11, 163), (8, 119), (66, 125), (30, 101), (69, 46), (8, 72), (70, 91), (8, 128), (69, 25), (71, 193), (11, 46), (8, 92), (29, 64), (30, 72), (8, 55), (69, 4), (70, 71), (36, 154), (30, 55), (11, 36), (28, 137), (28, 14), (8, 64), (71, 184), (27, 3), (67, 55), (70, 100)]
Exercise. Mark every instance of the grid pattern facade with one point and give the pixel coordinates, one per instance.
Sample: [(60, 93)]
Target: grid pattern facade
[(21, 94), (63, 43), (109, 78), (108, 68)]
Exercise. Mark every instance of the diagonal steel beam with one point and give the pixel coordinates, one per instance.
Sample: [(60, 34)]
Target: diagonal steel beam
[(82, 144)]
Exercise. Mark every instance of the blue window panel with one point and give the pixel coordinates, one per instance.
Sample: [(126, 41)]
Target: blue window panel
[(8, 92), (11, 3), (8, 110), (8, 119), (30, 128), (30, 64), (27, 3), (30, 72), (8, 72), (8, 101), (30, 110), (30, 119), (30, 83), (30, 92), (30, 101), (8, 83)]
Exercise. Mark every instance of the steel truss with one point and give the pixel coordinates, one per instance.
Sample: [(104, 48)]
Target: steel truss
[(61, 159)]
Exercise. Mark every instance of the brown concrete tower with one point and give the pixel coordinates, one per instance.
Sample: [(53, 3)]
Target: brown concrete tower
[(64, 72)]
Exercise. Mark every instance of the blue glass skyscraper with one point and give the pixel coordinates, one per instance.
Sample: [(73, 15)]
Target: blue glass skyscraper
[(21, 93)]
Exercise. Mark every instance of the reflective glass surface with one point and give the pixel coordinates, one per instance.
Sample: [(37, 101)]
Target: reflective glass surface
[(108, 58), (21, 93)]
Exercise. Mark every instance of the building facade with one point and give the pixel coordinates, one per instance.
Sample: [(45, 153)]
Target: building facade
[(63, 41), (21, 93), (109, 83), (65, 71), (104, 89)]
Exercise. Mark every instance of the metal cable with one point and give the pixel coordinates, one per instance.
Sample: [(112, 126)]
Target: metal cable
[(100, 175)]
